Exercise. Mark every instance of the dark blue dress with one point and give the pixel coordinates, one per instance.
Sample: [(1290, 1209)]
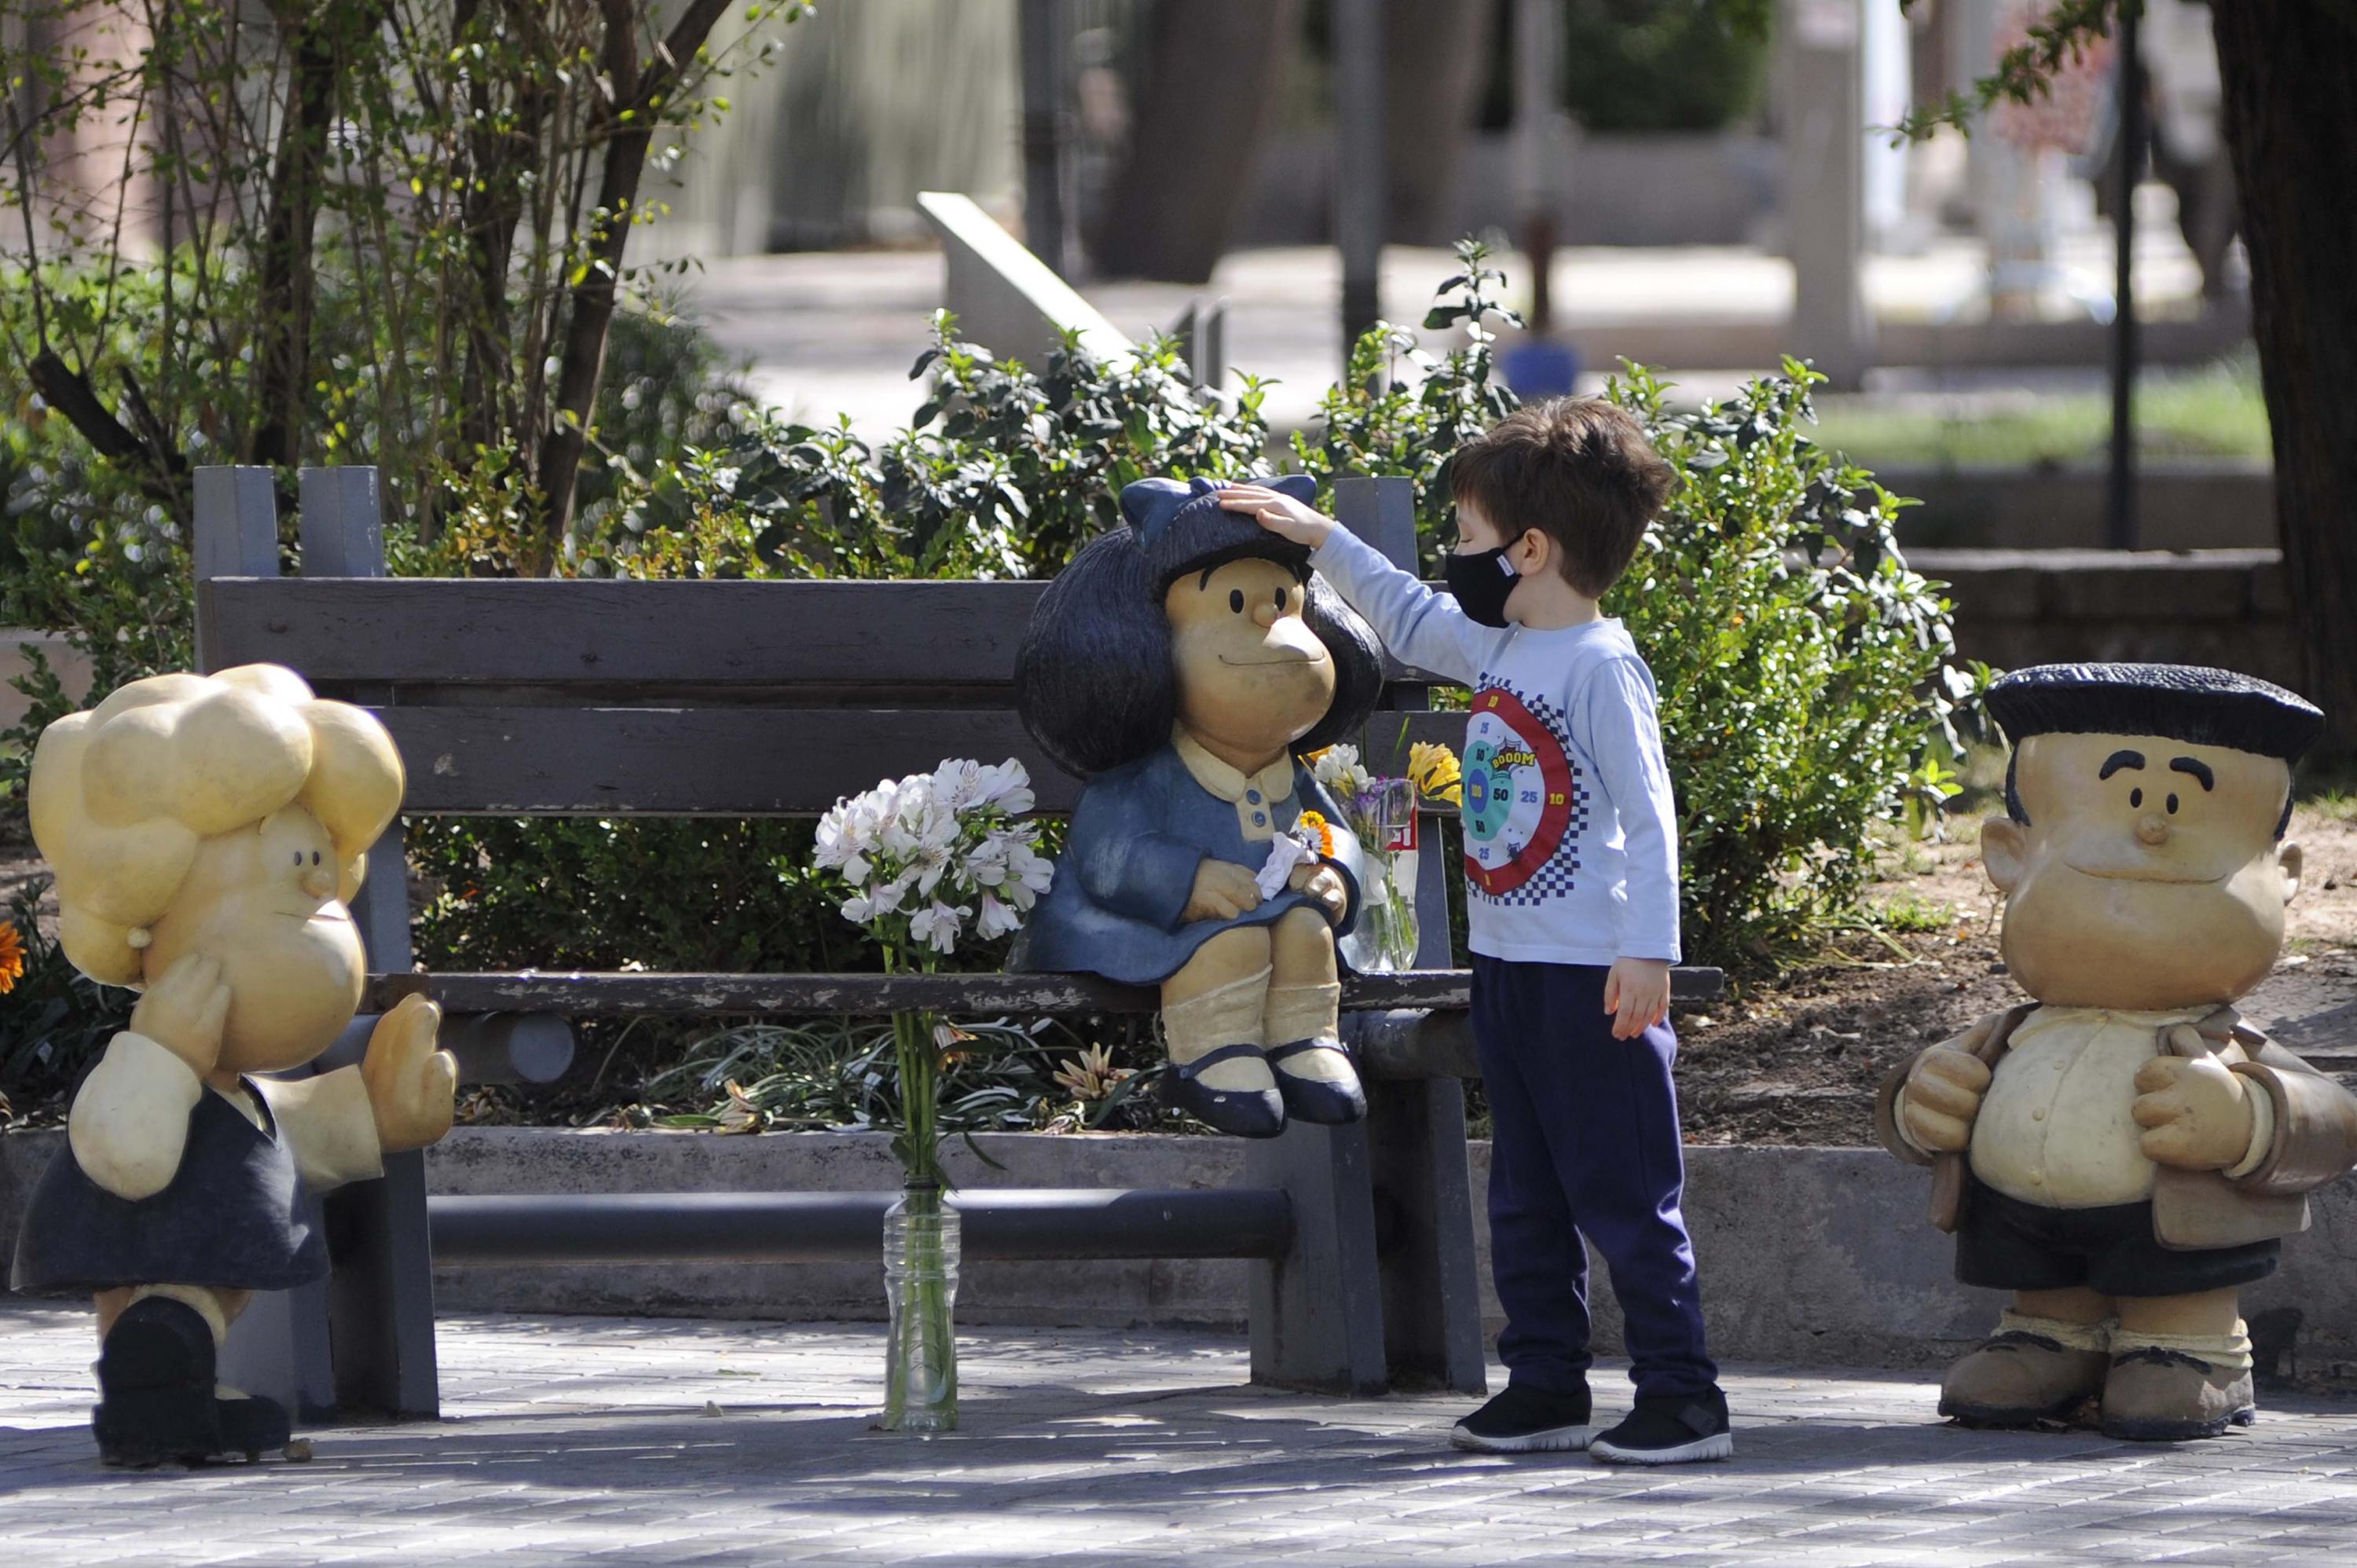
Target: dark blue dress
[(1137, 835), (232, 1216)]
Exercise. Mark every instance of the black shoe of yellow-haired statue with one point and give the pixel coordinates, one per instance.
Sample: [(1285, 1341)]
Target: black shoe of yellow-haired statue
[(158, 1403)]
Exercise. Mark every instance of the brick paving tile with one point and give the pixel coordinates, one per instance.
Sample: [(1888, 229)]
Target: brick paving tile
[(572, 1439)]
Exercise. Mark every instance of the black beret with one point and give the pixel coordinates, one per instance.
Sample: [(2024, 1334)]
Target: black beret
[(2181, 702)]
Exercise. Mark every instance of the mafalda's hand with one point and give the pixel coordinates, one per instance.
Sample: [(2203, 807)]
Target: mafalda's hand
[(1222, 890), (184, 1011), (411, 1085), (1325, 887), (2196, 1112)]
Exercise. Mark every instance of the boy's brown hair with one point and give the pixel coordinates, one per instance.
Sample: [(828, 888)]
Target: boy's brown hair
[(1576, 469)]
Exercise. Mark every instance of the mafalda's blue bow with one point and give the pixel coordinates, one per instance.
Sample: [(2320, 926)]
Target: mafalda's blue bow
[(1182, 527)]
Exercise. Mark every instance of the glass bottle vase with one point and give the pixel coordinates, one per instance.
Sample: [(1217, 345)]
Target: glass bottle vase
[(921, 1275), (1387, 912)]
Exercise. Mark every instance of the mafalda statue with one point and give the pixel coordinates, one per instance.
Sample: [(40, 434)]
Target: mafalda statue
[(1181, 664), (206, 833), (2123, 1154)]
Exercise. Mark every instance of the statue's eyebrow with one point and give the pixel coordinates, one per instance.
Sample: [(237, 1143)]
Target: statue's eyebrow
[(2199, 769), (2120, 759)]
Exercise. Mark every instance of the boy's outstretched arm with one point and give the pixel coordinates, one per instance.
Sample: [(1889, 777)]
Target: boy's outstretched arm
[(1419, 627)]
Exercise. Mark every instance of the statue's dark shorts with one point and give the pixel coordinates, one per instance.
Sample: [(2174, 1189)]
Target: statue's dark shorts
[(2007, 1245)]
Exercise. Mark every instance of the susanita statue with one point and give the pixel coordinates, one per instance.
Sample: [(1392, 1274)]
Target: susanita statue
[(2122, 1153), (206, 833), (1182, 665)]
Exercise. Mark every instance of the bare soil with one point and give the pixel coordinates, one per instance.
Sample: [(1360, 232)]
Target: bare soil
[(1795, 1059)]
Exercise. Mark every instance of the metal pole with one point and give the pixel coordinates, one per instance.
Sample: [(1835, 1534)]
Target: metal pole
[(1047, 216), (1538, 49), (2120, 508), (1359, 191)]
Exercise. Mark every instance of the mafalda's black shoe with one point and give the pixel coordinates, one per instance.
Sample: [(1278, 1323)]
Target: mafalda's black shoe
[(1334, 1102), (1240, 1112), (156, 1387)]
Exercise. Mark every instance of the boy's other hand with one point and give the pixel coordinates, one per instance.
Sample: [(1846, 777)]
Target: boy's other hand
[(1637, 994), (1279, 513)]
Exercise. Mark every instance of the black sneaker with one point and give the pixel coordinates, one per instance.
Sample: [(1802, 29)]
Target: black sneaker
[(1673, 1429), (1527, 1420)]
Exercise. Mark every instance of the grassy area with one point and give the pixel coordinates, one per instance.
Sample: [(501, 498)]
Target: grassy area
[(2214, 411)]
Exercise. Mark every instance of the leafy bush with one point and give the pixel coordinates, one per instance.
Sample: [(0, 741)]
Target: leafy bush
[(1807, 677), (53, 1022), (1007, 472), (1662, 65), (1808, 681)]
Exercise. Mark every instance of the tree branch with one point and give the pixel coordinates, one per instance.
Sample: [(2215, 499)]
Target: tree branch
[(629, 123)]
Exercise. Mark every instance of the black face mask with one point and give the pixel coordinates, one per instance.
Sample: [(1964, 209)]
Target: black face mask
[(1482, 583)]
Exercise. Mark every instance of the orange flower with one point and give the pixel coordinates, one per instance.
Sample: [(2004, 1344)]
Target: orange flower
[(1316, 826), (12, 957)]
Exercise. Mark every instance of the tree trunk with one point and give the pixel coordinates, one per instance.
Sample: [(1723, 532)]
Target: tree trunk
[(1436, 58), (2290, 70), (286, 292), (1214, 69), (628, 127)]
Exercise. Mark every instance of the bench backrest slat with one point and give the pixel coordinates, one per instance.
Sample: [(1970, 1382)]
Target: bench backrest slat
[(397, 631), (728, 761)]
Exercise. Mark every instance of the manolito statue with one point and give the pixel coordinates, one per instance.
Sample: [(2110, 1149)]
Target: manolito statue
[(2122, 1153)]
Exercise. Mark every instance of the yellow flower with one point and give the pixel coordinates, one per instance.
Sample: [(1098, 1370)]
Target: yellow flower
[(1315, 825), (12, 957), (1434, 769)]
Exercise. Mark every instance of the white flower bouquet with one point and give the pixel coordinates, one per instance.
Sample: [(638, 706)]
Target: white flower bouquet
[(922, 861)]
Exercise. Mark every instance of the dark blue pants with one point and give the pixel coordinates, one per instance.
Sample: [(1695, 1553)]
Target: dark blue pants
[(1586, 1144)]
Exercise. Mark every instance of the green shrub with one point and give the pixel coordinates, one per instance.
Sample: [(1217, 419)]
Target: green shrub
[(1808, 680), (1662, 65), (1007, 472), (53, 1022)]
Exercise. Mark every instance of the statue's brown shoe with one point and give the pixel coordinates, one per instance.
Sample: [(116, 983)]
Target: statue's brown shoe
[(2018, 1378), (2159, 1395)]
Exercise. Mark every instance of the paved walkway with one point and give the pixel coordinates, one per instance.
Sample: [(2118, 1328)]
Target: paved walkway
[(632, 1441)]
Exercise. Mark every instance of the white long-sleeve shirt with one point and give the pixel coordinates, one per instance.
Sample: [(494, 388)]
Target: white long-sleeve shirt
[(1570, 828)]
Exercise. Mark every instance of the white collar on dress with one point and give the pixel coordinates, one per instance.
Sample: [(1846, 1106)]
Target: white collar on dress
[(1273, 782)]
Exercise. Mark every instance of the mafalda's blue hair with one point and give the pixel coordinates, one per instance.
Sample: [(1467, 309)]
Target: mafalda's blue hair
[(1094, 680)]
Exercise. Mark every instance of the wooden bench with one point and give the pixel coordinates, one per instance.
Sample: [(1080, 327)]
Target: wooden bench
[(736, 699)]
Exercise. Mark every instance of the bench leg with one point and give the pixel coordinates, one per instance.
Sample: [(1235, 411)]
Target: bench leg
[(380, 1297), (278, 1349), (1424, 1213), (1317, 1314), (360, 1344)]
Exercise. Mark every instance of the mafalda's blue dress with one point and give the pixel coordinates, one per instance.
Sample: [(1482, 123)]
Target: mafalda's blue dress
[(1128, 867)]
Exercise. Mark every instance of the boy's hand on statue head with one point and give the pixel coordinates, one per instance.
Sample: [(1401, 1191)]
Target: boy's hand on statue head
[(411, 1085), (1222, 890), (184, 1010), (1325, 887), (1943, 1096), (1279, 513), (2196, 1112), (1637, 994)]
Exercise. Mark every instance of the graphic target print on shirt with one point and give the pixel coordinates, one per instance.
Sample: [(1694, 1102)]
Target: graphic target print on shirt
[(1524, 801)]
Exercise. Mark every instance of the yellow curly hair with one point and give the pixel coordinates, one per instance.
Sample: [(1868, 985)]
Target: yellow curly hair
[(121, 796)]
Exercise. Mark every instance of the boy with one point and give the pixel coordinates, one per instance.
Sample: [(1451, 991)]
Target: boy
[(1571, 857)]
